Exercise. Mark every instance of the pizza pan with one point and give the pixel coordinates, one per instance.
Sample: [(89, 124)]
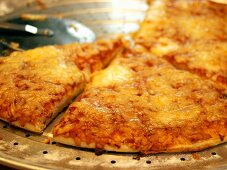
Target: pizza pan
[(21, 149)]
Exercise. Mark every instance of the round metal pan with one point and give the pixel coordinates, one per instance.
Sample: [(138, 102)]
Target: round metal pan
[(24, 150)]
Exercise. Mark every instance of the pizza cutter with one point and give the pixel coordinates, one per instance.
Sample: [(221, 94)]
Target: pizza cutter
[(34, 33)]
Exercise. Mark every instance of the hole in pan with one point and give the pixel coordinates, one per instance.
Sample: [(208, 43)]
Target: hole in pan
[(78, 158), (113, 162), (148, 162), (182, 159), (213, 153), (45, 152), (15, 143), (27, 135)]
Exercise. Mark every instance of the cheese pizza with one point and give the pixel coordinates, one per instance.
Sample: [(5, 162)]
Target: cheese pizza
[(141, 103), (165, 93), (192, 35), (37, 84)]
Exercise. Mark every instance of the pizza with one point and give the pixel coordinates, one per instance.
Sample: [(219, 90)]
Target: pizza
[(192, 35), (141, 103), (37, 84), (165, 92)]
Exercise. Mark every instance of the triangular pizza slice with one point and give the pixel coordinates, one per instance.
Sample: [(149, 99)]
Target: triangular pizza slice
[(37, 84), (141, 103)]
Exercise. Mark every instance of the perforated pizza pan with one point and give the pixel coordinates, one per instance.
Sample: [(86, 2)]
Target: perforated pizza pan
[(25, 150), (21, 149)]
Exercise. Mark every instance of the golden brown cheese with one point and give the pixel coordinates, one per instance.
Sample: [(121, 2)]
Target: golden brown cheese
[(191, 34), (141, 103), (36, 84)]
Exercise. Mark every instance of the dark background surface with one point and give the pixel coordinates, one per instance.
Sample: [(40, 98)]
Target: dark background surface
[(2, 167)]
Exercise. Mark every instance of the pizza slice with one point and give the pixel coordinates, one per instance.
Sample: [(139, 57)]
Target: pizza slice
[(141, 103), (37, 84), (192, 35)]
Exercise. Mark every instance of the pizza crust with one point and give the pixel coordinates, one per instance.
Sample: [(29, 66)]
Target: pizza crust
[(124, 148), (70, 141), (198, 146)]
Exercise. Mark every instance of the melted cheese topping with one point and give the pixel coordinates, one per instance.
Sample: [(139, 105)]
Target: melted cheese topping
[(192, 35), (47, 63), (149, 107)]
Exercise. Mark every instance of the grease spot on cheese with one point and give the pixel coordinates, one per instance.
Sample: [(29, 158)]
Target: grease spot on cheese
[(164, 46), (115, 74)]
